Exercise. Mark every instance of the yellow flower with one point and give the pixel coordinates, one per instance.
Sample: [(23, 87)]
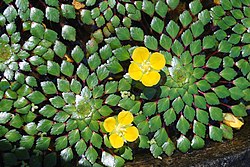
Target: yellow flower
[(145, 67), (121, 129), (232, 121)]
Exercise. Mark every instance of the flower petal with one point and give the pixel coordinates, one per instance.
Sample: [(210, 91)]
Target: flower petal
[(151, 79), (131, 134), (109, 124), (140, 54), (125, 118), (116, 141), (157, 61), (134, 71), (232, 121)]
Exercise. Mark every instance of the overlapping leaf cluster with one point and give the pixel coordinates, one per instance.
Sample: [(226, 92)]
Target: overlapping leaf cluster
[(63, 71)]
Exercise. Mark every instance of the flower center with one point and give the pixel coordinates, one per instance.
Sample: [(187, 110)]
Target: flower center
[(145, 67), (120, 130)]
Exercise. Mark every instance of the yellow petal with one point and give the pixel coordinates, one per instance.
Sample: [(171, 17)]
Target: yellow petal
[(116, 141), (157, 61), (109, 124), (125, 118), (134, 71), (232, 121), (151, 79), (140, 54), (131, 134)]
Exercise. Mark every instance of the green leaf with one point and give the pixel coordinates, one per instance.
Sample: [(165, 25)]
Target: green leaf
[(183, 125), (185, 18), (203, 85), (77, 54), (202, 116), (48, 87), (36, 15), (215, 133), (169, 116), (37, 30), (10, 13), (187, 37), (69, 33), (67, 68), (168, 147), (121, 54), (128, 154), (155, 150), (224, 46), (178, 105), (155, 123), (236, 93), (239, 110), (53, 68), (4, 117), (163, 104), (227, 131), (57, 128), (74, 136), (216, 113), (149, 108), (221, 91), (43, 143), (57, 101), (197, 28), (67, 154), (242, 83), (122, 33), (143, 141), (61, 143), (44, 125), (212, 77), (165, 42), (211, 98), (82, 72), (143, 127), (213, 62), (199, 61), (150, 42), (161, 9), (189, 113), (148, 7), (60, 49), (68, 11), (161, 136), (200, 102), (183, 144), (96, 140), (177, 48), (239, 28), (228, 73), (52, 14), (157, 25), (199, 129), (173, 3), (27, 141), (172, 29), (197, 142), (30, 128), (195, 47), (13, 135), (91, 154), (204, 16), (195, 7), (75, 86), (80, 147), (36, 97), (137, 34)]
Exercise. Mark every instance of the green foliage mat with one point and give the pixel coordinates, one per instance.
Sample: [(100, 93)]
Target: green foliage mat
[(64, 70)]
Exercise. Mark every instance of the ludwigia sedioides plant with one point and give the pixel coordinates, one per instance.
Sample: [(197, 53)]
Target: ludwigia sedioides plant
[(88, 82)]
